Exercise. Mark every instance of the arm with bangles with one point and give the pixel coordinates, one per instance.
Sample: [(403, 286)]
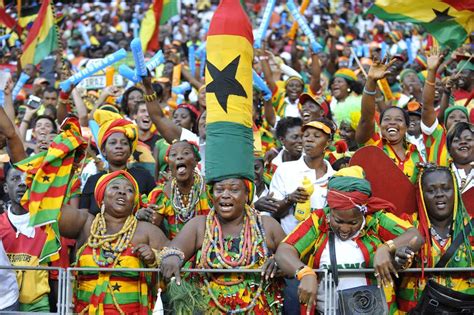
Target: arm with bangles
[(182, 248), (366, 127), (288, 257), (396, 254), (167, 128)]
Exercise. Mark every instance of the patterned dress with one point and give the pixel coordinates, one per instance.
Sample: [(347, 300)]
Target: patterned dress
[(310, 238), (172, 222), (98, 291), (412, 286), (237, 290)]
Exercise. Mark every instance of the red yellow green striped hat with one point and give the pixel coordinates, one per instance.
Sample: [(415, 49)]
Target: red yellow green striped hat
[(346, 73)]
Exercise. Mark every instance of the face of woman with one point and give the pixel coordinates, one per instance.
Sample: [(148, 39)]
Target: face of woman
[(292, 141), (117, 149), (462, 148), (134, 98), (339, 88), (454, 117), (182, 118), (347, 133), (315, 142), (182, 161), (346, 223), (119, 197), (310, 111), (438, 192), (230, 197), (393, 126), (294, 88)]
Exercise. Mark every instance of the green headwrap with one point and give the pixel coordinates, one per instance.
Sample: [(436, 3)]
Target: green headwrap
[(451, 109), (405, 72)]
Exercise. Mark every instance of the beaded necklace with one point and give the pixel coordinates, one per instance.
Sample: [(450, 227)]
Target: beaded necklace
[(112, 244), (184, 211), (251, 235)]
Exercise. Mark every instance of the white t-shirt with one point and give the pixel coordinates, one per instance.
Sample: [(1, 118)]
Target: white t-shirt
[(8, 285), (348, 256), (289, 176)]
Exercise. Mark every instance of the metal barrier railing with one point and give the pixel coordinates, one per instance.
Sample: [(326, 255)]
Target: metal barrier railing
[(61, 284), (325, 280)]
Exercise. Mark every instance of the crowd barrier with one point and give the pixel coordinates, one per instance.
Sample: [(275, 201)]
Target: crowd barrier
[(65, 281)]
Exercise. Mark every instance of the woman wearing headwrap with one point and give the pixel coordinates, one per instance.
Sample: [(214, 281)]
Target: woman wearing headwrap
[(345, 91), (232, 235), (185, 124), (183, 196), (113, 238), (434, 132), (360, 226), (285, 100), (117, 140), (394, 123), (441, 218)]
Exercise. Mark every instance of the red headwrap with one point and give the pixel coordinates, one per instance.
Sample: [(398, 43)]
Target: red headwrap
[(343, 200), (105, 179)]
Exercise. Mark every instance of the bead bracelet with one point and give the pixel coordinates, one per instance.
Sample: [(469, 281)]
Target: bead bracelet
[(170, 251)]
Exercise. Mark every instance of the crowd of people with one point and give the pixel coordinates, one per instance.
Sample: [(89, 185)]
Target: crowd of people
[(123, 175)]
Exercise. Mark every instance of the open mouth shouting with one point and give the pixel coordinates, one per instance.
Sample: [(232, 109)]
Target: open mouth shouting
[(181, 169), (226, 206)]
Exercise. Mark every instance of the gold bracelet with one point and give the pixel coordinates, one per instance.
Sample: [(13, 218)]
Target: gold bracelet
[(155, 263), (391, 246), (151, 97), (430, 83)]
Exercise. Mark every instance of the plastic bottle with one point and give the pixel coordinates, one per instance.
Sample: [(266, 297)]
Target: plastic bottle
[(303, 210)]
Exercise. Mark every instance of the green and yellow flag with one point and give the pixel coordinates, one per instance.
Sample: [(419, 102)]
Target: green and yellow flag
[(449, 21), (229, 137), (49, 183)]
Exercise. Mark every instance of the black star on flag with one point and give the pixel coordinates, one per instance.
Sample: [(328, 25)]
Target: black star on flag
[(441, 16), (116, 287), (46, 178), (224, 83)]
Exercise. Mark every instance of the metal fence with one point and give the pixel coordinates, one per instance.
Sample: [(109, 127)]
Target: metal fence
[(66, 278)]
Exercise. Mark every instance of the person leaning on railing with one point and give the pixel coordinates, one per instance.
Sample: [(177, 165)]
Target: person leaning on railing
[(360, 228), (114, 238), (447, 227)]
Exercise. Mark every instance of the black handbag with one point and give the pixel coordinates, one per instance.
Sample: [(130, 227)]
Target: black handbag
[(438, 299), (367, 299)]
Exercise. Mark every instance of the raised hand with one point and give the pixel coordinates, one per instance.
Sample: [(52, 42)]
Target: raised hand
[(434, 58), (379, 70)]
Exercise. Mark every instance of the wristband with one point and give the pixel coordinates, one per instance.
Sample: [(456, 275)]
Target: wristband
[(26, 121), (430, 83), (304, 271), (371, 93)]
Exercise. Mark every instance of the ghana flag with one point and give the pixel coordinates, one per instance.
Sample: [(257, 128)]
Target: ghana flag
[(229, 137), (449, 21), (42, 38), (49, 183)]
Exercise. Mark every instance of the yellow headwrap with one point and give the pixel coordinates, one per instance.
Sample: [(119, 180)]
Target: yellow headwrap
[(110, 123)]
